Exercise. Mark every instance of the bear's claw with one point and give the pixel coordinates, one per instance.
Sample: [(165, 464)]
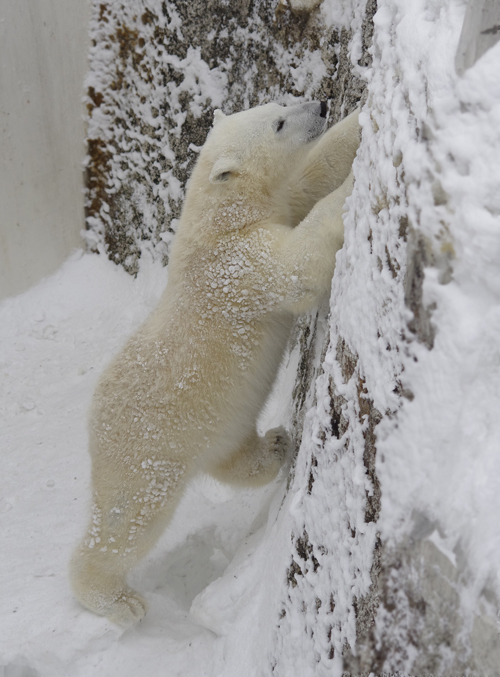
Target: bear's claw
[(279, 443), (129, 608)]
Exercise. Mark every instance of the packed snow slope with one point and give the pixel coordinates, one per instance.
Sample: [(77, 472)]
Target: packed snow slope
[(219, 584)]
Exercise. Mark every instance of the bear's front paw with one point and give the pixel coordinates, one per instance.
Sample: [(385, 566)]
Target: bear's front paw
[(279, 445)]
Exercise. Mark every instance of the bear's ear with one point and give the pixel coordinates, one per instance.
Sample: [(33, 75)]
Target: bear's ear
[(224, 169), (218, 116)]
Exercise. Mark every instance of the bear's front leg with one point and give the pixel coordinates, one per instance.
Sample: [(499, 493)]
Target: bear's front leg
[(306, 254), (325, 168)]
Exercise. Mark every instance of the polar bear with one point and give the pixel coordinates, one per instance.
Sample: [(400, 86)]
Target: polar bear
[(256, 244)]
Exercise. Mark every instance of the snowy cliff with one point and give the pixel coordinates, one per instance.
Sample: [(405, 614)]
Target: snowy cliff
[(379, 553)]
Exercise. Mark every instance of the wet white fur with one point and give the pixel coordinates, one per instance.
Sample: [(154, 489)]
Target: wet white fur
[(256, 245)]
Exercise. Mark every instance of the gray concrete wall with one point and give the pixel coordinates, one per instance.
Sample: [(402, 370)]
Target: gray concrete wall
[(43, 54)]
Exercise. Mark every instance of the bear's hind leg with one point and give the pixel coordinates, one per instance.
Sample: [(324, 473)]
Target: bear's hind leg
[(127, 520), (257, 461), (100, 586)]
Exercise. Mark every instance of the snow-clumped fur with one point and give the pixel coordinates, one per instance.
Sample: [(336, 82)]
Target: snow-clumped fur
[(256, 245)]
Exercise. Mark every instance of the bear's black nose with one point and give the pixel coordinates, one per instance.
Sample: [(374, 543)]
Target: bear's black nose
[(323, 109)]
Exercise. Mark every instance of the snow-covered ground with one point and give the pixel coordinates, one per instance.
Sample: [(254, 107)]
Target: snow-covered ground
[(55, 340)]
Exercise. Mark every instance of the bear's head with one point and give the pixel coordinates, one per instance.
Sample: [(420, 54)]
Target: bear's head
[(254, 152)]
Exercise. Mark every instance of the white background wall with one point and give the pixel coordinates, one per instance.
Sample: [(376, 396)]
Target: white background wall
[(43, 46)]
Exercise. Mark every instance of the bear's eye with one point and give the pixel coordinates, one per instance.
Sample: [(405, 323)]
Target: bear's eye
[(280, 125)]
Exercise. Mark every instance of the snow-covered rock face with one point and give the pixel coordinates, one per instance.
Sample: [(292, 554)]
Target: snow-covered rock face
[(433, 455), (413, 313), (157, 71)]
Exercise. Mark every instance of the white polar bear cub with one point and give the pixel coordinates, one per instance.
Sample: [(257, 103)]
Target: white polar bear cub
[(255, 246)]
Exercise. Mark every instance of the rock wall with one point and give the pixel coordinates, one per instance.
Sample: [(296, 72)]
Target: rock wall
[(412, 245), (157, 71)]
